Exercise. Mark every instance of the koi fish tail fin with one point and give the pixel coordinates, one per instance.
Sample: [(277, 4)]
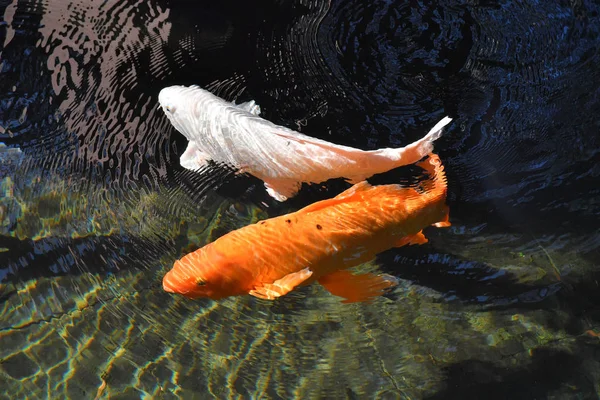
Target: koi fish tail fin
[(436, 185), (419, 149), (436, 188), (434, 133)]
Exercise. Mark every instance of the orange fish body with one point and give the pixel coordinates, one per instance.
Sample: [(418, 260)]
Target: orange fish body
[(317, 243)]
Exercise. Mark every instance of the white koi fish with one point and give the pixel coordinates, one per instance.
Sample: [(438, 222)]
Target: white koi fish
[(282, 158)]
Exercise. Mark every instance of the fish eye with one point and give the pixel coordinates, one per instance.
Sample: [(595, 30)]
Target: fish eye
[(170, 108), (200, 282)]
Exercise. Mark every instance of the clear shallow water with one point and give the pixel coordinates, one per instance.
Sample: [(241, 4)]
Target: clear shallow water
[(95, 208)]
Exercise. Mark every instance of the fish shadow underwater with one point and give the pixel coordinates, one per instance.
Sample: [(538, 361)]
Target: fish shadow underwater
[(467, 282), (549, 370)]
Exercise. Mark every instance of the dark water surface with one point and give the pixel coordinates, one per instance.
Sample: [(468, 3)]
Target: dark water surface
[(94, 206)]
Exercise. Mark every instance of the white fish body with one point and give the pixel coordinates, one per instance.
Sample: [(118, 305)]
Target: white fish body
[(235, 135)]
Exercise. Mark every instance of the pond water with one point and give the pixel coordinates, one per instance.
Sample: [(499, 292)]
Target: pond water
[(95, 208)]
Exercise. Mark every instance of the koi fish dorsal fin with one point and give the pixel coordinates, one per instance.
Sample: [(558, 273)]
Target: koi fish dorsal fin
[(270, 291), (340, 198), (249, 106), (305, 140), (355, 288)]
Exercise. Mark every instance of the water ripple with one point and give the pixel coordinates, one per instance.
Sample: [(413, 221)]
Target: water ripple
[(94, 207)]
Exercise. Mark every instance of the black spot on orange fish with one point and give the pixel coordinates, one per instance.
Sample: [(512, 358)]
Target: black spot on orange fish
[(319, 227), (289, 221)]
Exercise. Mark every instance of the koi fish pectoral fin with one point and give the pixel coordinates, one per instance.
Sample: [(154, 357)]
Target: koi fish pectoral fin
[(282, 191), (355, 288), (193, 158), (270, 291), (444, 223), (417, 238)]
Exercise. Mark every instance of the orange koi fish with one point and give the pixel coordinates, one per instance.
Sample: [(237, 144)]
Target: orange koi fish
[(320, 242)]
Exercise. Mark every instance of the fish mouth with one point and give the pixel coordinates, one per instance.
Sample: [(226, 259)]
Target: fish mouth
[(167, 287), (174, 282), (171, 285)]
